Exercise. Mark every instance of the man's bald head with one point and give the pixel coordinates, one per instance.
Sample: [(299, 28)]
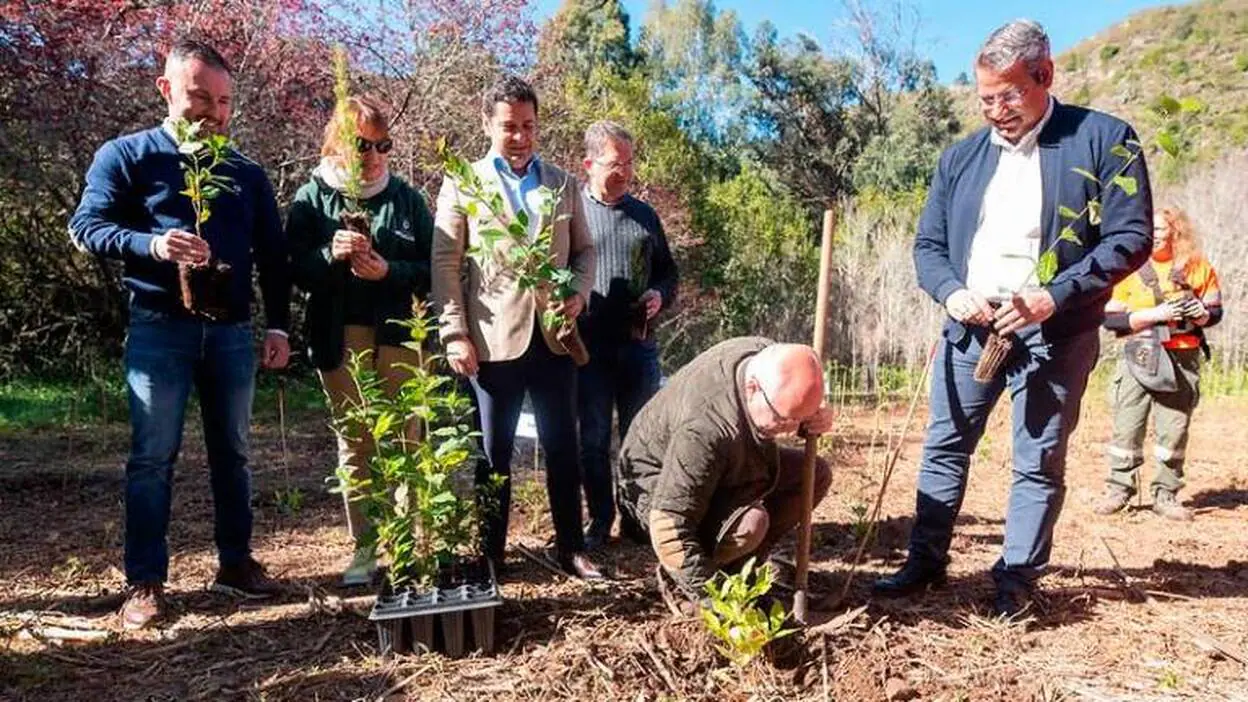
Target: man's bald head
[(783, 387)]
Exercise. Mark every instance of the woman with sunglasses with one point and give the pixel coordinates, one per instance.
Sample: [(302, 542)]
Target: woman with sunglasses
[(356, 282)]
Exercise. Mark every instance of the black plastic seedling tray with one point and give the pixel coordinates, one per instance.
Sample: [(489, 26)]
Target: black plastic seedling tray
[(434, 619)]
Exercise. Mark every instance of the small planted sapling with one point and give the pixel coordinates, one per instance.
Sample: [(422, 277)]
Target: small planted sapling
[(203, 286), (733, 616), (507, 241)]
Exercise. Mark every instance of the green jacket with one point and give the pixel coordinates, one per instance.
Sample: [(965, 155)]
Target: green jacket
[(402, 234), (692, 460)]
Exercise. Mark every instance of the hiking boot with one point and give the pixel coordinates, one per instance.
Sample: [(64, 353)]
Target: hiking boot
[(913, 577), (246, 579), (362, 569), (1114, 499), (144, 606), (1166, 504)]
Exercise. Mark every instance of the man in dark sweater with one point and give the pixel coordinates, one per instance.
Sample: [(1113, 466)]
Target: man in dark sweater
[(132, 210), (700, 473), (635, 279)]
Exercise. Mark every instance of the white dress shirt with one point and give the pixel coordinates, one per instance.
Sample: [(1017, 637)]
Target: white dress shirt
[(1007, 242)]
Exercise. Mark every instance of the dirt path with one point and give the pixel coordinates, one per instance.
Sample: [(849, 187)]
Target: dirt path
[(60, 547)]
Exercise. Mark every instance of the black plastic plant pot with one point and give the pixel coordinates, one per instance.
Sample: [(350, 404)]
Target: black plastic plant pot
[(454, 616)]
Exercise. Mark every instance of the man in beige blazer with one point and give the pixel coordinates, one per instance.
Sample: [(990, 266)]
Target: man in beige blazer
[(491, 327)]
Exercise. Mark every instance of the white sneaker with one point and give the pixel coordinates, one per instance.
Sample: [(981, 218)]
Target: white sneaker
[(362, 569)]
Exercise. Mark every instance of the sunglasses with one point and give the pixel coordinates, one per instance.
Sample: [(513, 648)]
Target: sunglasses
[(383, 146)]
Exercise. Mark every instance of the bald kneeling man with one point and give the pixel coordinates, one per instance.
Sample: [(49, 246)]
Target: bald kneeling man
[(700, 475)]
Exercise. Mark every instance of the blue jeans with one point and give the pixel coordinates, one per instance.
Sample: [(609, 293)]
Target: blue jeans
[(620, 377), (550, 381), (1046, 383), (164, 357)]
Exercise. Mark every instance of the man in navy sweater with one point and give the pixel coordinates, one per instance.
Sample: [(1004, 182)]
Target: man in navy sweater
[(131, 210), (992, 209)]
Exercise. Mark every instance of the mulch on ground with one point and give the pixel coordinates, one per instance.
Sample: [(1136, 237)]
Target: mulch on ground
[(1135, 607)]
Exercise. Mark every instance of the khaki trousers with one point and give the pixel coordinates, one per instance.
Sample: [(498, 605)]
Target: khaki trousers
[(354, 450), (1172, 414)]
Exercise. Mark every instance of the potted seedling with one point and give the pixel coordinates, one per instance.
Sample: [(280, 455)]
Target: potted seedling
[(352, 217), (422, 509), (506, 241), (204, 286), (639, 322), (997, 347)]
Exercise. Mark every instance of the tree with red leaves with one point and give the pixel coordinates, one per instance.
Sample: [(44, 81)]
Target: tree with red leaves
[(79, 72)]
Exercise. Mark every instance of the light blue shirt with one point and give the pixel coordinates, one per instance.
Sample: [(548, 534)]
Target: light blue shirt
[(518, 188)]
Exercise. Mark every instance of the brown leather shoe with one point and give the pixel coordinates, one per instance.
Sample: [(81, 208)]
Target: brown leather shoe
[(247, 580), (144, 606), (1166, 504), (579, 565), (1114, 499)]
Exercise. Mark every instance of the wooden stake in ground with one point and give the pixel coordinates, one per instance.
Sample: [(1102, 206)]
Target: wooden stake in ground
[(812, 442)]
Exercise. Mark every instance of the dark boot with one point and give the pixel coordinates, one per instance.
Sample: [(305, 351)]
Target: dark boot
[(913, 577), (1011, 603)]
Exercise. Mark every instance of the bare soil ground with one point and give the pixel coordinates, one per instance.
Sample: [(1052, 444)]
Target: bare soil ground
[(1176, 629)]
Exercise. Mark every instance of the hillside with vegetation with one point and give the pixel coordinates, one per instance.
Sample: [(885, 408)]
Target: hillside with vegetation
[(1196, 52)]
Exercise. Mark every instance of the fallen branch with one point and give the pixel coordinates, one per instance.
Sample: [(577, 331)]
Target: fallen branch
[(827, 696), (1208, 643), (320, 643), (1200, 639), (663, 671), (839, 622), (403, 683), (540, 560), (61, 634)]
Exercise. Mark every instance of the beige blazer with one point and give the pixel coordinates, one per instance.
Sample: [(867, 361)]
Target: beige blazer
[(483, 301)]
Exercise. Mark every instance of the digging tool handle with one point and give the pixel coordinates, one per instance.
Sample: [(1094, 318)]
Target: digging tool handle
[(812, 441)]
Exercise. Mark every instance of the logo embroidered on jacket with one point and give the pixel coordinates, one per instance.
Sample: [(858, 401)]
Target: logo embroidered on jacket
[(404, 231)]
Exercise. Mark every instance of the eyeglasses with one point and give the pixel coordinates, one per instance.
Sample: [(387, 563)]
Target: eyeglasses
[(383, 146), (780, 418), (615, 166), (1012, 97)]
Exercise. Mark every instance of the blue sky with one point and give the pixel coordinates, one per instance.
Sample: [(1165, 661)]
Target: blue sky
[(950, 31)]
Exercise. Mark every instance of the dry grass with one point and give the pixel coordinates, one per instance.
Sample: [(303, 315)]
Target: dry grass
[(1172, 630)]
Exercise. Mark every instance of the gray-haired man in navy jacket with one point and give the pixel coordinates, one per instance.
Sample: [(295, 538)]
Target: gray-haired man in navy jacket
[(992, 209)]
